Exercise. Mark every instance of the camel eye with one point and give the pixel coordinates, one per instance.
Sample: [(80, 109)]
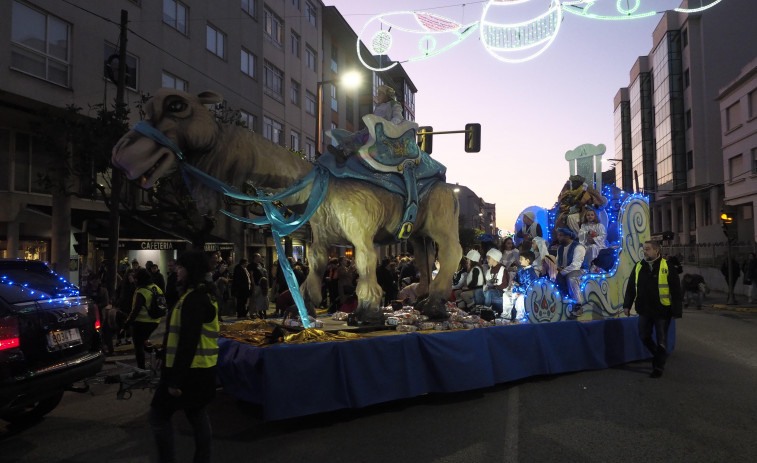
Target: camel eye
[(176, 106)]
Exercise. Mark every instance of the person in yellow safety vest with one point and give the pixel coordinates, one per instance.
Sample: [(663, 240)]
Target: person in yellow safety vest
[(188, 379), (655, 289), (142, 324)]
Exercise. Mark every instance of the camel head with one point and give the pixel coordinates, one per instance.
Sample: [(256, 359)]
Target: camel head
[(182, 118)]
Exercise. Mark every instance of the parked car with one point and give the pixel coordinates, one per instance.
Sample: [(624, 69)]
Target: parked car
[(49, 339)]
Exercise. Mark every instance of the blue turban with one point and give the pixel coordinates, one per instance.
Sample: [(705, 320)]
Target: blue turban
[(567, 231)]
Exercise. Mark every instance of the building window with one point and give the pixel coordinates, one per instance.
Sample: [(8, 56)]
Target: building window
[(111, 67), (310, 57), (248, 63), (685, 37), (689, 160), (686, 78), (295, 44), (310, 12), (334, 102), (733, 116), (296, 4), (334, 64), (294, 93), (294, 140), (175, 15), (273, 27), (754, 160), (171, 81), (752, 104), (688, 118), (250, 7), (309, 103), (310, 149), (735, 167), (40, 44), (272, 130), (216, 42), (274, 81), (249, 120), (349, 109)]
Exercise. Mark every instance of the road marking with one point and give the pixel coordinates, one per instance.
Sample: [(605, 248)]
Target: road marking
[(511, 426)]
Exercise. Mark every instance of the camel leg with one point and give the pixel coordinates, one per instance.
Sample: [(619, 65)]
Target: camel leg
[(441, 227), (368, 291), (317, 258)]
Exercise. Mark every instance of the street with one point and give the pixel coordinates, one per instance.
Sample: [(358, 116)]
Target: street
[(703, 409)]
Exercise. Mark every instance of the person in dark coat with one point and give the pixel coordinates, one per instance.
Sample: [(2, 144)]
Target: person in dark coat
[(694, 287), (386, 276), (241, 287), (188, 376), (655, 290)]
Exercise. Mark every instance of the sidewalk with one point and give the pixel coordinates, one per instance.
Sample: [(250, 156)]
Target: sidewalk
[(717, 300)]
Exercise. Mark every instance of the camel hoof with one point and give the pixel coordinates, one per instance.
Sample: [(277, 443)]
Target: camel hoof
[(435, 311)]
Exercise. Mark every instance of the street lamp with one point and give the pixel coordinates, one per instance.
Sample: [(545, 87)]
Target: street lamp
[(349, 79)]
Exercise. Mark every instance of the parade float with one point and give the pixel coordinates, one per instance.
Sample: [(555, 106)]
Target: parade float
[(389, 189)]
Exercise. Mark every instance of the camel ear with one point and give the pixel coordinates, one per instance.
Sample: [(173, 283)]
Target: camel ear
[(209, 97)]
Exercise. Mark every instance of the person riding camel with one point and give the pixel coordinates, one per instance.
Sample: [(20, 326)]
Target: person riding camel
[(387, 107)]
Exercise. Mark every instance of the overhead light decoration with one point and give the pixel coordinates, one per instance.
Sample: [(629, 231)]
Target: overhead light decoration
[(510, 30)]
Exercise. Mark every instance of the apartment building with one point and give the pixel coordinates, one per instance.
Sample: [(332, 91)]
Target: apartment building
[(738, 126), (667, 120)]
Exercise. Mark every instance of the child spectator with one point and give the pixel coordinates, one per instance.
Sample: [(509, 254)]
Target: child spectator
[(592, 235)]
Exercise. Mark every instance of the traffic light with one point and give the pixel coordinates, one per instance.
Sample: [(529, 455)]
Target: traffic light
[(425, 138), (82, 243), (472, 138), (727, 214)]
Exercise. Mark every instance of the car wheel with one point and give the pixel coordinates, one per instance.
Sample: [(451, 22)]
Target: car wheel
[(34, 411)]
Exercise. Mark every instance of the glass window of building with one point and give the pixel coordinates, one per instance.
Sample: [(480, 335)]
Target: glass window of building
[(249, 120), (274, 81), (309, 103), (334, 63), (216, 41), (272, 130), (294, 140), (733, 116), (169, 80), (296, 3), (175, 15), (334, 102), (111, 67), (310, 57), (40, 44), (688, 118), (754, 160), (349, 109), (310, 12), (274, 27), (735, 167), (248, 63), (309, 149), (295, 44), (752, 104), (250, 7), (294, 93)]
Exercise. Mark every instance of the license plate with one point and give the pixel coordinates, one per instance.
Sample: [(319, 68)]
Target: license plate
[(64, 338)]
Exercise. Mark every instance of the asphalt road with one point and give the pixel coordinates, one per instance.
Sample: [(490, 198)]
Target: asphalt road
[(704, 409)]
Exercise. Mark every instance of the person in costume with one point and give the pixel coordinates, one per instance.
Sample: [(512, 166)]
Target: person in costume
[(572, 201), (523, 278), (387, 107), (474, 280), (510, 253), (539, 248), (497, 280), (188, 377), (530, 229), (570, 258), (592, 235)]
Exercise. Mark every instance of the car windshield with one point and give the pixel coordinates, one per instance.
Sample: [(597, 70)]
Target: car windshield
[(22, 281)]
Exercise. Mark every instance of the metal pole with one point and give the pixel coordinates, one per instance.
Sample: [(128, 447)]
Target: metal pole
[(731, 295)]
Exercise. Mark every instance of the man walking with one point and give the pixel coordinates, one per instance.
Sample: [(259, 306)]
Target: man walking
[(656, 290)]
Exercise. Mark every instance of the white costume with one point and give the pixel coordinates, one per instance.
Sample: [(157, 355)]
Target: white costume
[(508, 257), (391, 111), (572, 270), (539, 253), (598, 233)]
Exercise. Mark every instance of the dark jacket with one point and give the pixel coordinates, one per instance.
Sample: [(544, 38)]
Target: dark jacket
[(647, 296)]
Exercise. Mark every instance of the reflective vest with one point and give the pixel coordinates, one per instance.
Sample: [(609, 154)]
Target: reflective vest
[(206, 355), (662, 282), (146, 292)]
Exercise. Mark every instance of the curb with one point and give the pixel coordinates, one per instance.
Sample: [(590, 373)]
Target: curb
[(734, 308)]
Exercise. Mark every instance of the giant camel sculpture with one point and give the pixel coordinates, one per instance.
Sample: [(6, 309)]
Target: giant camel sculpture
[(352, 211)]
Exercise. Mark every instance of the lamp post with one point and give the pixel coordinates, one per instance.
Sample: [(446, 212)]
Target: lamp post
[(349, 79)]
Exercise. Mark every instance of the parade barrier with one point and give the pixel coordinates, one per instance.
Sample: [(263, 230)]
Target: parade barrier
[(291, 380)]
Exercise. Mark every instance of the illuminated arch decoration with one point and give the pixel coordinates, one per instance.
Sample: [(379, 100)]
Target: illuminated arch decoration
[(509, 30)]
